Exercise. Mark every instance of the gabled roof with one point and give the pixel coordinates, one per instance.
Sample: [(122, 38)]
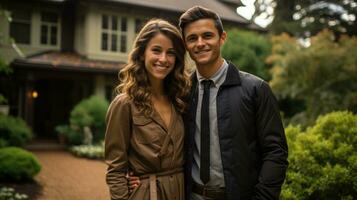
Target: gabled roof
[(54, 60), (180, 6)]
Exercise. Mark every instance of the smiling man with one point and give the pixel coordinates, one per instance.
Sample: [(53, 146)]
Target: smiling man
[(235, 141)]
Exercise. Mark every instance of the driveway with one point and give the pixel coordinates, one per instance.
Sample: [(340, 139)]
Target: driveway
[(66, 177)]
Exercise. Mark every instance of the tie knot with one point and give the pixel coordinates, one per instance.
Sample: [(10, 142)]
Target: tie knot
[(206, 83)]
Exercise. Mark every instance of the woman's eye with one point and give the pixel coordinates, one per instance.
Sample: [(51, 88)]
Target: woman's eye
[(156, 50), (171, 53)]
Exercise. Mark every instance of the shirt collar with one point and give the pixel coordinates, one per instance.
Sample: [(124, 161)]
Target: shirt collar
[(218, 77)]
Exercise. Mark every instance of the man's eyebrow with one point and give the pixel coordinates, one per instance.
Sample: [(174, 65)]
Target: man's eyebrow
[(191, 35)]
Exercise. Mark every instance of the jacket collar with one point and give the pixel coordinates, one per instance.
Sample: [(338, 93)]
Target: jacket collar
[(232, 77)]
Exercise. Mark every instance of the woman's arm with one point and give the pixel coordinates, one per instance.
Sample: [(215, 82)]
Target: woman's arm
[(117, 138)]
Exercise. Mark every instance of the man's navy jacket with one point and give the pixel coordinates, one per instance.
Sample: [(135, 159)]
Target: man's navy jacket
[(251, 135)]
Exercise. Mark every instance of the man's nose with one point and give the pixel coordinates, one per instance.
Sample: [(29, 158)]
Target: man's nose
[(200, 42)]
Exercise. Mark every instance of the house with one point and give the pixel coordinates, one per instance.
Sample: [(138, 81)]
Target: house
[(62, 51)]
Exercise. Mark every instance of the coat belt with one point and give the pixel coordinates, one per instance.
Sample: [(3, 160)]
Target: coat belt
[(152, 178)]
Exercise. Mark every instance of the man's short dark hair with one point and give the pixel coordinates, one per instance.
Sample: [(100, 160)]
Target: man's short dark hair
[(196, 13)]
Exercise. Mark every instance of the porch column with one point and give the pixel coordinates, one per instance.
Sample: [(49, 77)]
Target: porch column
[(99, 87)]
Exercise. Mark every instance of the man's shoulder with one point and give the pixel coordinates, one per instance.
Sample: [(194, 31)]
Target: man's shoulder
[(247, 79)]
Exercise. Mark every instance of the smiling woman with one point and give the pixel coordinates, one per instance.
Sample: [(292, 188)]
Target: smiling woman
[(144, 126), (159, 58)]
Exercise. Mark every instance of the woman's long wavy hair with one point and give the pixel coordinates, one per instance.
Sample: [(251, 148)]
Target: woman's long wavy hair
[(134, 79)]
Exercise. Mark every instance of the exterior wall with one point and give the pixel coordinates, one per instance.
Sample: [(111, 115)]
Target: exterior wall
[(89, 32)]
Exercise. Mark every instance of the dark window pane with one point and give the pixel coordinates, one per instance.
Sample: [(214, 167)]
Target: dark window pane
[(138, 24), (20, 32), (49, 17), (53, 35), (114, 23), (44, 32), (114, 42), (123, 43), (105, 22), (123, 24), (21, 15), (104, 41)]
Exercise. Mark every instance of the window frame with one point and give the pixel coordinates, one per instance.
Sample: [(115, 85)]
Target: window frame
[(111, 31), (49, 26), (28, 22)]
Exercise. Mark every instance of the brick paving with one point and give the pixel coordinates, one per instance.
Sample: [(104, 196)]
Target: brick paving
[(66, 177)]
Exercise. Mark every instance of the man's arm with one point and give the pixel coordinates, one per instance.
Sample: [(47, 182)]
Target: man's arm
[(273, 145)]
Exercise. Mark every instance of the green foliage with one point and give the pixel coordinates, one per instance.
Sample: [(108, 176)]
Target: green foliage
[(7, 193), (89, 112), (17, 164), (322, 75), (304, 18), (323, 159), (13, 131), (72, 134), (4, 68), (248, 51), (3, 100)]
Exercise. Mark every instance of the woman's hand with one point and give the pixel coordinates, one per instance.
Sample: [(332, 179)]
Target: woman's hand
[(133, 181)]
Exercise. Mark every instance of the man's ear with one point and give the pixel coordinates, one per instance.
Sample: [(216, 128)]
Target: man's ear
[(223, 37)]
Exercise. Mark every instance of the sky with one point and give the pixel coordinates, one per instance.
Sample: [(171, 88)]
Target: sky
[(248, 10)]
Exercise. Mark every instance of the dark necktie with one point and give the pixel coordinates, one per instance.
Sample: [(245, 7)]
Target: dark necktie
[(205, 133)]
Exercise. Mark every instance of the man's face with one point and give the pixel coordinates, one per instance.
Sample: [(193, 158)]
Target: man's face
[(203, 42)]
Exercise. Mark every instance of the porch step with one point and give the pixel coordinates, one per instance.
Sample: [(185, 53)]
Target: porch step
[(41, 144)]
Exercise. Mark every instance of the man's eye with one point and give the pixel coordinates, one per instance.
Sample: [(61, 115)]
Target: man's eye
[(207, 35), (191, 39)]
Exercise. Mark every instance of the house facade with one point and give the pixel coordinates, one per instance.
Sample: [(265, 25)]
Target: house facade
[(62, 51)]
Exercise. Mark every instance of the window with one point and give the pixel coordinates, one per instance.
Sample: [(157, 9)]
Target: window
[(49, 28), (20, 26), (114, 34)]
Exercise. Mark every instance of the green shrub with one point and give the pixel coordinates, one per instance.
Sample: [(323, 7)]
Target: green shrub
[(17, 164), (90, 112), (323, 159), (14, 131)]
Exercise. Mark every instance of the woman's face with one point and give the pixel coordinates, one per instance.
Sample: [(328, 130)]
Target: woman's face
[(159, 57)]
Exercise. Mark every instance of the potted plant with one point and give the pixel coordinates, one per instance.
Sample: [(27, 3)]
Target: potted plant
[(4, 107), (61, 133)]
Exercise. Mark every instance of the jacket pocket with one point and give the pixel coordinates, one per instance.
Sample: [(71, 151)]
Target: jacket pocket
[(141, 120), (145, 130)]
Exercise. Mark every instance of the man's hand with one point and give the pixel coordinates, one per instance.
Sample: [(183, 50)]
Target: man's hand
[(133, 181)]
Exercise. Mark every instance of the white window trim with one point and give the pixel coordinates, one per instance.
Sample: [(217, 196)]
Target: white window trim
[(119, 33), (49, 24)]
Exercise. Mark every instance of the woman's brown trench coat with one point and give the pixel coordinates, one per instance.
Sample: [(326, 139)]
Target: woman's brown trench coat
[(147, 147)]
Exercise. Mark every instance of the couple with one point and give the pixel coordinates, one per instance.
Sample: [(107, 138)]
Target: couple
[(216, 136)]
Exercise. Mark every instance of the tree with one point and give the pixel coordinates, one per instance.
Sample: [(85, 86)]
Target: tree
[(248, 51), (4, 67), (323, 75), (306, 18)]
